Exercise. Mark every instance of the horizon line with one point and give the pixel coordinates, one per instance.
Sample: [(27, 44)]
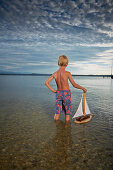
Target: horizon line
[(49, 74)]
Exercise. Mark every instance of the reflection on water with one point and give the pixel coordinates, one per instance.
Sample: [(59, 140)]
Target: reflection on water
[(30, 139), (56, 153)]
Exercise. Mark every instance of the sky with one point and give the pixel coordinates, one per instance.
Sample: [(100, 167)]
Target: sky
[(33, 33)]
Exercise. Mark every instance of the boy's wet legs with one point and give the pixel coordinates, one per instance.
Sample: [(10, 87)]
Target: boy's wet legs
[(56, 117), (67, 117)]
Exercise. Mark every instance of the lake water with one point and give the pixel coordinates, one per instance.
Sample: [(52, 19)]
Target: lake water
[(30, 139)]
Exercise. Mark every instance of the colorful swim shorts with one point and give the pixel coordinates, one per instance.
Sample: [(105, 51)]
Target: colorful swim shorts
[(63, 102)]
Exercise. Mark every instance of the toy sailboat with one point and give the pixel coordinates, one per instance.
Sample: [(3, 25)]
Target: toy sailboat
[(79, 115)]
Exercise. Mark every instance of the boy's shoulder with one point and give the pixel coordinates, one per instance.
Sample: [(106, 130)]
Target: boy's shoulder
[(68, 72), (54, 74)]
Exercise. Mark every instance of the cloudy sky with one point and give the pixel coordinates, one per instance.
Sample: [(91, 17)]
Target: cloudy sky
[(33, 33)]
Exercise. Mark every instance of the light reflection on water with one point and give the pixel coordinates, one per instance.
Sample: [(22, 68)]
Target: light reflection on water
[(30, 138)]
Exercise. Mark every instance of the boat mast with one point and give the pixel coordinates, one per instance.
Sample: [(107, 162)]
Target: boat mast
[(84, 104)]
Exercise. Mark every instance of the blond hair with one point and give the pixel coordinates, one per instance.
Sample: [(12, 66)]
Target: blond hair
[(63, 60)]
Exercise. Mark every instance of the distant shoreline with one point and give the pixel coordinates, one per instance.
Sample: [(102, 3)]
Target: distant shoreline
[(36, 74)]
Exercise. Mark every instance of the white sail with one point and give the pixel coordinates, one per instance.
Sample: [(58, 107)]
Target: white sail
[(79, 111), (87, 111)]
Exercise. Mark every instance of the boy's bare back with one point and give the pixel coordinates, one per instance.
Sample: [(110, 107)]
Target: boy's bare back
[(61, 78)]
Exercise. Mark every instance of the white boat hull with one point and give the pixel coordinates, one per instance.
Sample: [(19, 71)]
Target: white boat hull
[(84, 121)]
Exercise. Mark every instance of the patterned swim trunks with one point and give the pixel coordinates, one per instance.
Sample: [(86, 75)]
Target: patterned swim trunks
[(63, 102)]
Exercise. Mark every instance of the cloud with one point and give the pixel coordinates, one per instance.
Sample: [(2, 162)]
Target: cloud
[(42, 64), (96, 45), (92, 68), (34, 32), (105, 57)]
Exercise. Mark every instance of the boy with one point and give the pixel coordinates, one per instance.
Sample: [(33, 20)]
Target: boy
[(63, 93)]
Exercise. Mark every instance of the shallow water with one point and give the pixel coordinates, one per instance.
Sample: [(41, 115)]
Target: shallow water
[(30, 139)]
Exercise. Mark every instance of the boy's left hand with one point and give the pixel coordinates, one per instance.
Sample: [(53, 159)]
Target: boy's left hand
[(85, 90)]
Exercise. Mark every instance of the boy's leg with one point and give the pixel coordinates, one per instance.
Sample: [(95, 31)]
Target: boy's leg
[(56, 117), (58, 107), (67, 104), (67, 117)]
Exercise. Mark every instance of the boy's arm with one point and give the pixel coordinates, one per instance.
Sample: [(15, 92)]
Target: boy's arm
[(48, 85), (74, 84)]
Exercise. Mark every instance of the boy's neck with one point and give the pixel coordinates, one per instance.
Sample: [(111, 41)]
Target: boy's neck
[(63, 67)]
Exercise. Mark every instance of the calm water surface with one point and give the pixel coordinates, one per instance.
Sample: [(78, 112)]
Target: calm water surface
[(30, 139)]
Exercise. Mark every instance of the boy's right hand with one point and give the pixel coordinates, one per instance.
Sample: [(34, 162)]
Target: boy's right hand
[(54, 91), (84, 90)]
